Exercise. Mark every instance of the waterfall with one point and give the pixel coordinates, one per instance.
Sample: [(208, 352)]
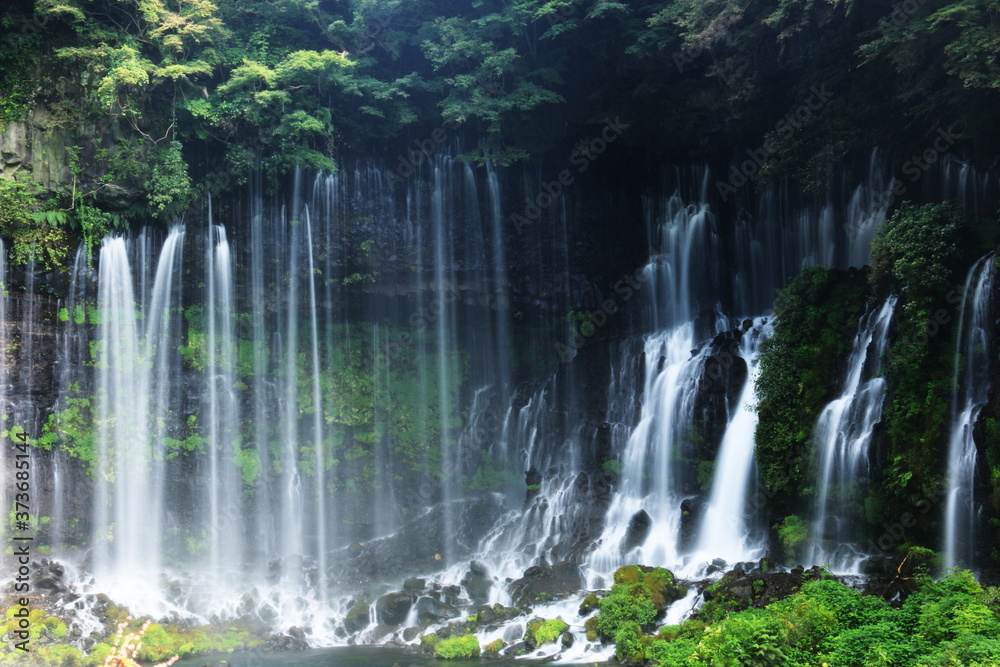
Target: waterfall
[(972, 364), (648, 482), (725, 530), (73, 381), (224, 503), (843, 434), (362, 352), (135, 365), (4, 376)]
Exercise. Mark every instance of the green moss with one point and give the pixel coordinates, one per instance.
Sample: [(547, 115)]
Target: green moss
[(545, 632), (793, 532), (590, 603), (590, 625), (494, 647), (638, 597), (816, 318), (163, 641), (457, 648)]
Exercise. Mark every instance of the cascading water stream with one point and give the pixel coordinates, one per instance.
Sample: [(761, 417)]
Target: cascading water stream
[(725, 530), (4, 380), (843, 434), (668, 397), (972, 364), (224, 502), (316, 412), (133, 374)]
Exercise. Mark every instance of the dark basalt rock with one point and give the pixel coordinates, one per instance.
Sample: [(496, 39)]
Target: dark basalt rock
[(278, 642), (430, 610), (514, 650), (638, 530), (740, 589), (392, 608), (540, 583), (356, 619), (414, 584), (477, 583)]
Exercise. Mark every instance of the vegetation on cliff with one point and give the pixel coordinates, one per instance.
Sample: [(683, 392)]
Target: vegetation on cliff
[(167, 100)]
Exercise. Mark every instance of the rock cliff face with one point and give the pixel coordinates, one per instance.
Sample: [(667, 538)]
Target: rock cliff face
[(66, 158)]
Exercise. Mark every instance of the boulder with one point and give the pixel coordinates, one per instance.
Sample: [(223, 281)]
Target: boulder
[(541, 583), (637, 531), (392, 608), (430, 610), (477, 583)]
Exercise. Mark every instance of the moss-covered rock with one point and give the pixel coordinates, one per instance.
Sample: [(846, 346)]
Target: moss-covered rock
[(457, 648), (589, 604), (540, 631), (428, 642), (493, 648)]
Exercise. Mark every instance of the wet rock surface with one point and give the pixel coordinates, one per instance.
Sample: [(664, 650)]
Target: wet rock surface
[(543, 584)]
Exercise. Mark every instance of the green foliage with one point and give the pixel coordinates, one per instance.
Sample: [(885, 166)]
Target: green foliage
[(817, 315), (34, 231), (793, 532), (494, 647), (545, 632), (95, 224), (916, 251), (638, 596), (72, 429), (826, 623), (916, 254), (169, 187), (457, 648)]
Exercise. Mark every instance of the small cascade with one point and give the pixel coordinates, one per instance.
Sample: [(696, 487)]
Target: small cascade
[(972, 364), (73, 381), (725, 530), (866, 209), (648, 482), (540, 528), (843, 434), (682, 237)]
